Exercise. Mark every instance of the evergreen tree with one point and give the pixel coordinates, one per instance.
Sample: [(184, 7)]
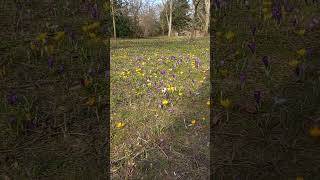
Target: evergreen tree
[(180, 16), (125, 25)]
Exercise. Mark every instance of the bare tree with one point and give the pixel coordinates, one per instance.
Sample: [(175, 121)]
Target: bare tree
[(207, 18), (149, 18), (195, 4), (161, 22), (113, 20), (134, 8), (168, 7)]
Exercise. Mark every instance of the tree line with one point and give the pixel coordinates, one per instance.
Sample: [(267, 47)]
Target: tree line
[(140, 18)]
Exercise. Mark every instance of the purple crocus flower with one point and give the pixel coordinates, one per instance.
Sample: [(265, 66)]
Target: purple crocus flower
[(265, 61), (197, 63), (91, 72), (297, 70), (12, 98), (253, 30), (221, 62), (30, 125), (173, 58), (309, 53), (252, 47), (72, 35), (311, 26), (242, 78), (315, 20), (163, 72), (257, 96), (12, 120), (61, 69), (276, 11), (36, 43), (160, 105), (107, 74), (94, 11), (50, 62), (171, 110)]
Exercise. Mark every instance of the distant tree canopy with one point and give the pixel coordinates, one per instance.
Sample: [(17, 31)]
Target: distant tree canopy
[(181, 15), (138, 18), (126, 25)]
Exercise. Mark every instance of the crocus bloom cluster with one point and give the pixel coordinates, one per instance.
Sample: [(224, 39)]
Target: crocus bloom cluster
[(12, 98), (257, 97), (265, 61), (242, 79), (50, 62), (252, 47), (276, 12)]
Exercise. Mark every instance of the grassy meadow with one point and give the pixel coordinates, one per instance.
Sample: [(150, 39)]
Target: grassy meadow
[(265, 107), (160, 108), (262, 121), (53, 91)]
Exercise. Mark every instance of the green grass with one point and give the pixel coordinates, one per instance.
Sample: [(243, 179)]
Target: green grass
[(161, 142), (55, 134), (59, 132), (274, 142)]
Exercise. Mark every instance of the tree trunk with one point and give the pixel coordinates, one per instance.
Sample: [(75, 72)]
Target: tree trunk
[(170, 19), (195, 4), (113, 20), (207, 20), (168, 14)]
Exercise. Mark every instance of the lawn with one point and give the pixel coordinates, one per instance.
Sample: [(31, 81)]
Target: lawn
[(265, 78), (53, 91), (160, 108), (265, 106)]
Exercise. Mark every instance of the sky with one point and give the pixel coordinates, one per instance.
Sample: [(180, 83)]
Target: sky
[(159, 1)]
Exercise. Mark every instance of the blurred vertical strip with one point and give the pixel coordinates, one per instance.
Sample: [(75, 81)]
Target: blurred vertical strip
[(213, 43), (107, 30)]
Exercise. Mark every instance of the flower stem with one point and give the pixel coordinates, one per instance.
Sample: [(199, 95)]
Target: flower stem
[(227, 115)]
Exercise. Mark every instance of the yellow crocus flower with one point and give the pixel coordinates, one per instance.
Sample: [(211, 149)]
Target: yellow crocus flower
[(301, 52), (59, 36), (226, 103), (120, 125), (165, 102), (229, 35), (314, 132), (42, 37)]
